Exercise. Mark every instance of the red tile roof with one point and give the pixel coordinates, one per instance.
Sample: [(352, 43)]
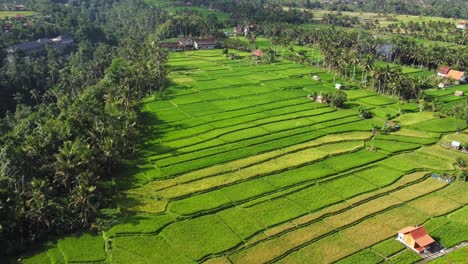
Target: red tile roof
[(258, 53), (421, 237), (444, 69)]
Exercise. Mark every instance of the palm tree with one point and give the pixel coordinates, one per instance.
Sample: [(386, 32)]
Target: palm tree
[(70, 162), (367, 64), (354, 59), (83, 202)]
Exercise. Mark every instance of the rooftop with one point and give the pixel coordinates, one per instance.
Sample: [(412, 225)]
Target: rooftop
[(258, 53), (455, 75), (444, 69)]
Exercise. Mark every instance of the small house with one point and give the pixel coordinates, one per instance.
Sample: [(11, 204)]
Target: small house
[(443, 85), (35, 47), (320, 99), (171, 46), (258, 54), (416, 238), (28, 48), (7, 26), (392, 126), (316, 78), (459, 93), (456, 145), (456, 76), (462, 24), (339, 86), (19, 16), (443, 71), (186, 43), (62, 39), (20, 8), (204, 44), (238, 30), (249, 28)]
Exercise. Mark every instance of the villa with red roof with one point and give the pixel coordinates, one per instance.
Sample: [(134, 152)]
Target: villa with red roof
[(416, 238), (448, 73), (258, 53)]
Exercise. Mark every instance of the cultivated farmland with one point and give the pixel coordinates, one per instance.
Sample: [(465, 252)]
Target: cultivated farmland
[(239, 166)]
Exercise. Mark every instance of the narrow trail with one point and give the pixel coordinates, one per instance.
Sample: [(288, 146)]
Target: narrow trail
[(443, 252)]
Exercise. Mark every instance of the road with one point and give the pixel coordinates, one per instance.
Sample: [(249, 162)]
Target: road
[(443, 252)]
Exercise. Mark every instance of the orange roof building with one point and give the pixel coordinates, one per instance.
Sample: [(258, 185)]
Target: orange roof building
[(258, 53), (415, 238), (456, 75)]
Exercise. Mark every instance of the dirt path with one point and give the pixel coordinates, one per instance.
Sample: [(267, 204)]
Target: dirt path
[(443, 252)]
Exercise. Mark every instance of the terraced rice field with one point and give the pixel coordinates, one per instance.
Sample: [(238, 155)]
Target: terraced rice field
[(238, 166)]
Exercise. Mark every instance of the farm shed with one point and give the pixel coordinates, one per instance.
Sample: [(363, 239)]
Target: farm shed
[(173, 46), (339, 86), (394, 126), (462, 24), (320, 99), (258, 53), (186, 43), (204, 44), (416, 238), (20, 8), (456, 144), (459, 93), (238, 30)]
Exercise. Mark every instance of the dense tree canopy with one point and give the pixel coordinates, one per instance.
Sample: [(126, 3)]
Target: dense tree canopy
[(76, 117)]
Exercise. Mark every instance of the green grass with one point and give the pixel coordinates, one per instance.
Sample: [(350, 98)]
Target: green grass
[(141, 223), (200, 237), (5, 14), (314, 198), (460, 216), (389, 247), (458, 256), (451, 234), (274, 212), (380, 176), (365, 257), (145, 249), (238, 163), (82, 248), (408, 256), (391, 146), (349, 186), (448, 124)]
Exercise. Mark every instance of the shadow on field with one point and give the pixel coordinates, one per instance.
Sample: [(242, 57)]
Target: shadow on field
[(134, 171)]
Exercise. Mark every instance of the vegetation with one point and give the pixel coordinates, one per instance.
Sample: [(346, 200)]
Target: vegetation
[(116, 150), (57, 150)]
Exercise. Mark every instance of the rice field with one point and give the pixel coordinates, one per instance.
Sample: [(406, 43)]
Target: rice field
[(239, 166)]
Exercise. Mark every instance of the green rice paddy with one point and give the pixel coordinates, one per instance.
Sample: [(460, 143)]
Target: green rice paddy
[(239, 166)]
